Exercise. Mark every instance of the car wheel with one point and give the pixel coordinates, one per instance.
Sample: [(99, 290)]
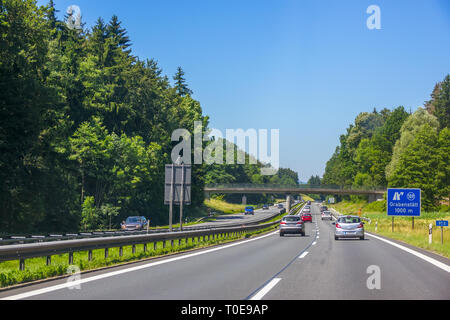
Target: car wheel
[(361, 238), (281, 234), (336, 238)]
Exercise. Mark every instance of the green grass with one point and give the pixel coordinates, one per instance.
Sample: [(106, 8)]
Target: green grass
[(403, 230), (307, 198), (36, 268), (225, 207)]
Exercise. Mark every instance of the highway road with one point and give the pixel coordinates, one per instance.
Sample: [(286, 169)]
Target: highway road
[(267, 267), (238, 218)]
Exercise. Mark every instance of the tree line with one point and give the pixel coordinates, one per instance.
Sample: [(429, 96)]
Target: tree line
[(85, 126), (394, 148)]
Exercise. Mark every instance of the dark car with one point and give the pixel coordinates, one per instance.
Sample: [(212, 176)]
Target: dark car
[(323, 208), (249, 210), (265, 207), (134, 223), (280, 206)]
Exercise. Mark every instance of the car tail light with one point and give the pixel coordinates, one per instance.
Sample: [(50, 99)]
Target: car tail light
[(338, 225), (361, 225), (299, 222), (282, 222)]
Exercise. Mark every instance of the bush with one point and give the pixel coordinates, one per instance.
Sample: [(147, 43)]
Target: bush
[(377, 206)]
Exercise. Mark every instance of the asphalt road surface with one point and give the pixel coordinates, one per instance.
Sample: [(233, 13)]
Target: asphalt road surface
[(240, 218), (268, 267)]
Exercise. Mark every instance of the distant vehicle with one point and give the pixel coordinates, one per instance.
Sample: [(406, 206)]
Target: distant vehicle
[(134, 223), (265, 207), (306, 217), (270, 204), (292, 224), (326, 215), (308, 203), (323, 208), (280, 206), (249, 210), (349, 227)]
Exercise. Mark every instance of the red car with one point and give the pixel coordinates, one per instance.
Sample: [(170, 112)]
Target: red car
[(307, 217)]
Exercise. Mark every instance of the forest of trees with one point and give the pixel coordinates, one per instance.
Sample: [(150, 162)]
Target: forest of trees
[(85, 126), (393, 148)]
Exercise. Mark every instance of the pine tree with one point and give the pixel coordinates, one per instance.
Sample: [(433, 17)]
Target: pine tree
[(115, 30), (180, 83)]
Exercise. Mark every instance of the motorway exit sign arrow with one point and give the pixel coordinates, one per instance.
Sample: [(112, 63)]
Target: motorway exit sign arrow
[(404, 202)]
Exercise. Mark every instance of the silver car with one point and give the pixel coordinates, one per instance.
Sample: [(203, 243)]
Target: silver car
[(292, 224), (349, 227)]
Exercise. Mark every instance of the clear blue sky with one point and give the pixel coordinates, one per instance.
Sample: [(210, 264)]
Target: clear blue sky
[(305, 67)]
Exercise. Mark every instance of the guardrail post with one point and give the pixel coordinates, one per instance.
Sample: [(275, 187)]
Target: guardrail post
[(164, 244), (22, 264), (106, 253), (120, 251), (179, 242), (70, 258), (90, 255), (49, 260), (145, 247), (133, 249), (171, 243), (155, 245)]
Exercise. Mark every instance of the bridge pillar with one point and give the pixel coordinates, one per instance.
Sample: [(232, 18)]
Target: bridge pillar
[(244, 200), (375, 197), (288, 203)]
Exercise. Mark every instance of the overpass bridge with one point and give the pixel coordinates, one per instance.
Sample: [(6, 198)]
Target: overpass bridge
[(373, 193)]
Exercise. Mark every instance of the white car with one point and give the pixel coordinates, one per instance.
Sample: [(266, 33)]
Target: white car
[(326, 215)]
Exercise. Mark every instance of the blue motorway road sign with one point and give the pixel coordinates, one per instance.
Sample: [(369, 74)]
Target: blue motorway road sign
[(442, 223), (404, 202)]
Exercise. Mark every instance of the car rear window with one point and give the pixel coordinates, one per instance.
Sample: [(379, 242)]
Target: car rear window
[(291, 219), (349, 220)]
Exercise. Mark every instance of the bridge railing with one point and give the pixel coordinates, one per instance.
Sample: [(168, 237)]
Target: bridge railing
[(292, 186)]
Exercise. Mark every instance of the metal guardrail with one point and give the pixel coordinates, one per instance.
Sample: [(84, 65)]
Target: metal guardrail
[(47, 249), (336, 215), (83, 235)]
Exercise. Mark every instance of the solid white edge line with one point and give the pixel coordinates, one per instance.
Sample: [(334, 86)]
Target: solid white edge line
[(261, 293), (438, 264), (115, 273)]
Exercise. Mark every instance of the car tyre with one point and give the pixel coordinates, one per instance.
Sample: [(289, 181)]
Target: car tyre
[(281, 234), (336, 238), (361, 238)]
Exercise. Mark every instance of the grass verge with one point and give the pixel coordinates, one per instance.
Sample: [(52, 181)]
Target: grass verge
[(226, 207)]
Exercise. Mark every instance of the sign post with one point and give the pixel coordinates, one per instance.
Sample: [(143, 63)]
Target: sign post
[(442, 224), (177, 189), (404, 203)]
